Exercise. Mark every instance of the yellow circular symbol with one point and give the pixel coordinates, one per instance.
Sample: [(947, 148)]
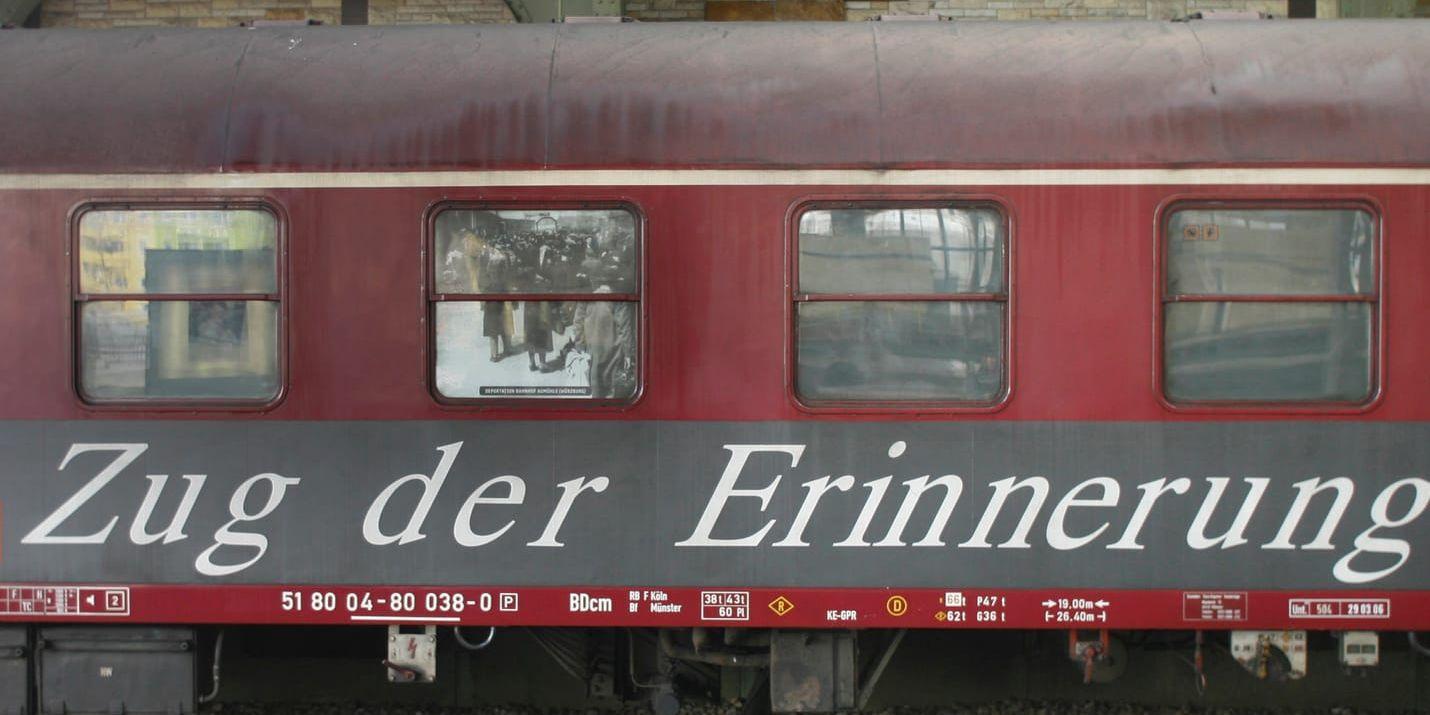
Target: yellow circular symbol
[(939, 616), (896, 606)]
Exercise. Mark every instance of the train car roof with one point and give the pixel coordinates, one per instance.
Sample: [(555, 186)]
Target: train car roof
[(716, 95)]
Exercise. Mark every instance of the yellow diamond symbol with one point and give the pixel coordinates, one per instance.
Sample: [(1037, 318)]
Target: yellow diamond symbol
[(939, 616), (781, 606)]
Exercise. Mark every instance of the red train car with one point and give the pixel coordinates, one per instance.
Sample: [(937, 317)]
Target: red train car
[(915, 325)]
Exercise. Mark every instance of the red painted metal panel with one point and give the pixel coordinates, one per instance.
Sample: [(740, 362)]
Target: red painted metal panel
[(647, 606), (1084, 303)]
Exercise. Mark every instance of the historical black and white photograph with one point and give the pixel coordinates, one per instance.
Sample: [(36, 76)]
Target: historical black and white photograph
[(537, 304)]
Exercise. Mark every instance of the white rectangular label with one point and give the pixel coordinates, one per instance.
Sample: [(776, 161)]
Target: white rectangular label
[(64, 600), (724, 605), (1339, 608)]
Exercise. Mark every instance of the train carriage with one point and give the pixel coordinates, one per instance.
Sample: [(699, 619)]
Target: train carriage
[(790, 327)]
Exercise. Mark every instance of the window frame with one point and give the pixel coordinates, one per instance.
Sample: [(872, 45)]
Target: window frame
[(1162, 297), (431, 298), (794, 297), (77, 299)]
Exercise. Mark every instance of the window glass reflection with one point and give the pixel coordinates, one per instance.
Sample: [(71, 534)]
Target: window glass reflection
[(179, 349), (1268, 351), (169, 251), (1270, 252), (901, 250), (900, 350)]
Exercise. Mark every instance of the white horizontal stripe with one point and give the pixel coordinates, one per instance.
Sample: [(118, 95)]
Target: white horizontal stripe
[(717, 177), (408, 619)]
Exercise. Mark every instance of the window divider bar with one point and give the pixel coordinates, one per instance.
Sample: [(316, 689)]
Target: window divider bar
[(901, 297), (534, 297), (177, 297), (1214, 298)]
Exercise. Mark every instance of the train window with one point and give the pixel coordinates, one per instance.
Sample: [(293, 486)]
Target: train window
[(536, 304), (901, 304), (177, 304), (1269, 305)]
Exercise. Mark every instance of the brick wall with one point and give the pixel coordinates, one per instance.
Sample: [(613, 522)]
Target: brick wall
[(665, 10), (228, 13), (437, 12)]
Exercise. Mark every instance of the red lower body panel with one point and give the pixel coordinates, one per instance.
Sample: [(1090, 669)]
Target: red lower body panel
[(736, 607)]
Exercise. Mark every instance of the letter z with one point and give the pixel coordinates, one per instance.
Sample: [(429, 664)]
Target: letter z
[(43, 534)]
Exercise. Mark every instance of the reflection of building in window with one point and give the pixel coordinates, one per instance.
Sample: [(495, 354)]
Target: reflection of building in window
[(536, 304), (901, 304), (1269, 305), (178, 304), (208, 340)]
